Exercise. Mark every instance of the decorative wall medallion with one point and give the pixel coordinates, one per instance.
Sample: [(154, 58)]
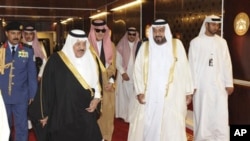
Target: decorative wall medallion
[(241, 23)]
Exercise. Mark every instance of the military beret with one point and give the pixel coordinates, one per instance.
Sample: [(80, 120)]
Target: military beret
[(14, 26)]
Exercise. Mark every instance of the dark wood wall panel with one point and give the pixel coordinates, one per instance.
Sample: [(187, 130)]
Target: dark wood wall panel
[(185, 17), (239, 45), (239, 102), (119, 21), (239, 106)]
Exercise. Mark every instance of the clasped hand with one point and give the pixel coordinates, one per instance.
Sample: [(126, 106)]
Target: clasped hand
[(125, 77), (93, 104), (141, 98)]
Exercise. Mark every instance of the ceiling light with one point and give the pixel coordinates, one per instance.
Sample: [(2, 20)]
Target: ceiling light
[(127, 5), (67, 20), (98, 15), (48, 8)]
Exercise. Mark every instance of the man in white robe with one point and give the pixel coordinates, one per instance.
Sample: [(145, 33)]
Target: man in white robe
[(125, 59), (4, 126), (30, 38), (163, 85), (212, 74)]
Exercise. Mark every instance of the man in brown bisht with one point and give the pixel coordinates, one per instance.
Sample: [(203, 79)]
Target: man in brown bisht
[(102, 46)]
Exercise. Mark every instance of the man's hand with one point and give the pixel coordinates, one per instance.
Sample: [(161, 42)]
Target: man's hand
[(189, 99), (44, 121), (108, 86), (39, 78), (93, 104), (194, 91), (229, 90), (30, 101), (141, 98), (125, 77)]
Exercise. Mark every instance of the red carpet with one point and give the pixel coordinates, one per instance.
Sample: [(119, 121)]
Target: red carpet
[(190, 136), (120, 132)]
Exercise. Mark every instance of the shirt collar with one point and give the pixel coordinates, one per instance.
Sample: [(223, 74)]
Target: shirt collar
[(10, 46)]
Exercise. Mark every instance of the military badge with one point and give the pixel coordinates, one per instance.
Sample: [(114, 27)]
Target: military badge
[(23, 54), (21, 27)]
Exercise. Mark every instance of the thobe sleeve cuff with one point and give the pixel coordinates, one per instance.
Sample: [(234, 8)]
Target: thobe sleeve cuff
[(122, 71), (189, 93), (119, 63), (40, 74), (111, 80), (97, 91), (139, 93), (97, 95), (229, 85)]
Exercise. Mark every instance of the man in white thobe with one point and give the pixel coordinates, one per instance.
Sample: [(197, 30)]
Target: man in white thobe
[(4, 126), (125, 59), (30, 38), (212, 74), (163, 85)]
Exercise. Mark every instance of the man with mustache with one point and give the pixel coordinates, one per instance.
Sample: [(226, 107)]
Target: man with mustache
[(125, 58), (103, 47), (18, 81), (163, 85), (211, 67), (70, 92), (31, 39)]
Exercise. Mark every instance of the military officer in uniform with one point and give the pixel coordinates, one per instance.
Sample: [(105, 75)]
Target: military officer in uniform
[(18, 80)]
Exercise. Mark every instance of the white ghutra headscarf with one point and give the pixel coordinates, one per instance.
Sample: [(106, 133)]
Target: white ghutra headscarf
[(209, 19), (161, 59), (85, 65)]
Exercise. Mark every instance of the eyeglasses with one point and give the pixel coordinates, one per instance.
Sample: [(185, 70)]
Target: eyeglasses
[(132, 34), (100, 30)]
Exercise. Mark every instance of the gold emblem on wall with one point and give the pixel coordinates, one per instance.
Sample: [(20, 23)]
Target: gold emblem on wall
[(241, 23)]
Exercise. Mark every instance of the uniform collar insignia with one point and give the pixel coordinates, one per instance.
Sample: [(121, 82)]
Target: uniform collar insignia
[(19, 45)]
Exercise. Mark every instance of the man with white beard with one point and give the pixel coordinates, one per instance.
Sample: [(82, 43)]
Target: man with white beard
[(164, 87)]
